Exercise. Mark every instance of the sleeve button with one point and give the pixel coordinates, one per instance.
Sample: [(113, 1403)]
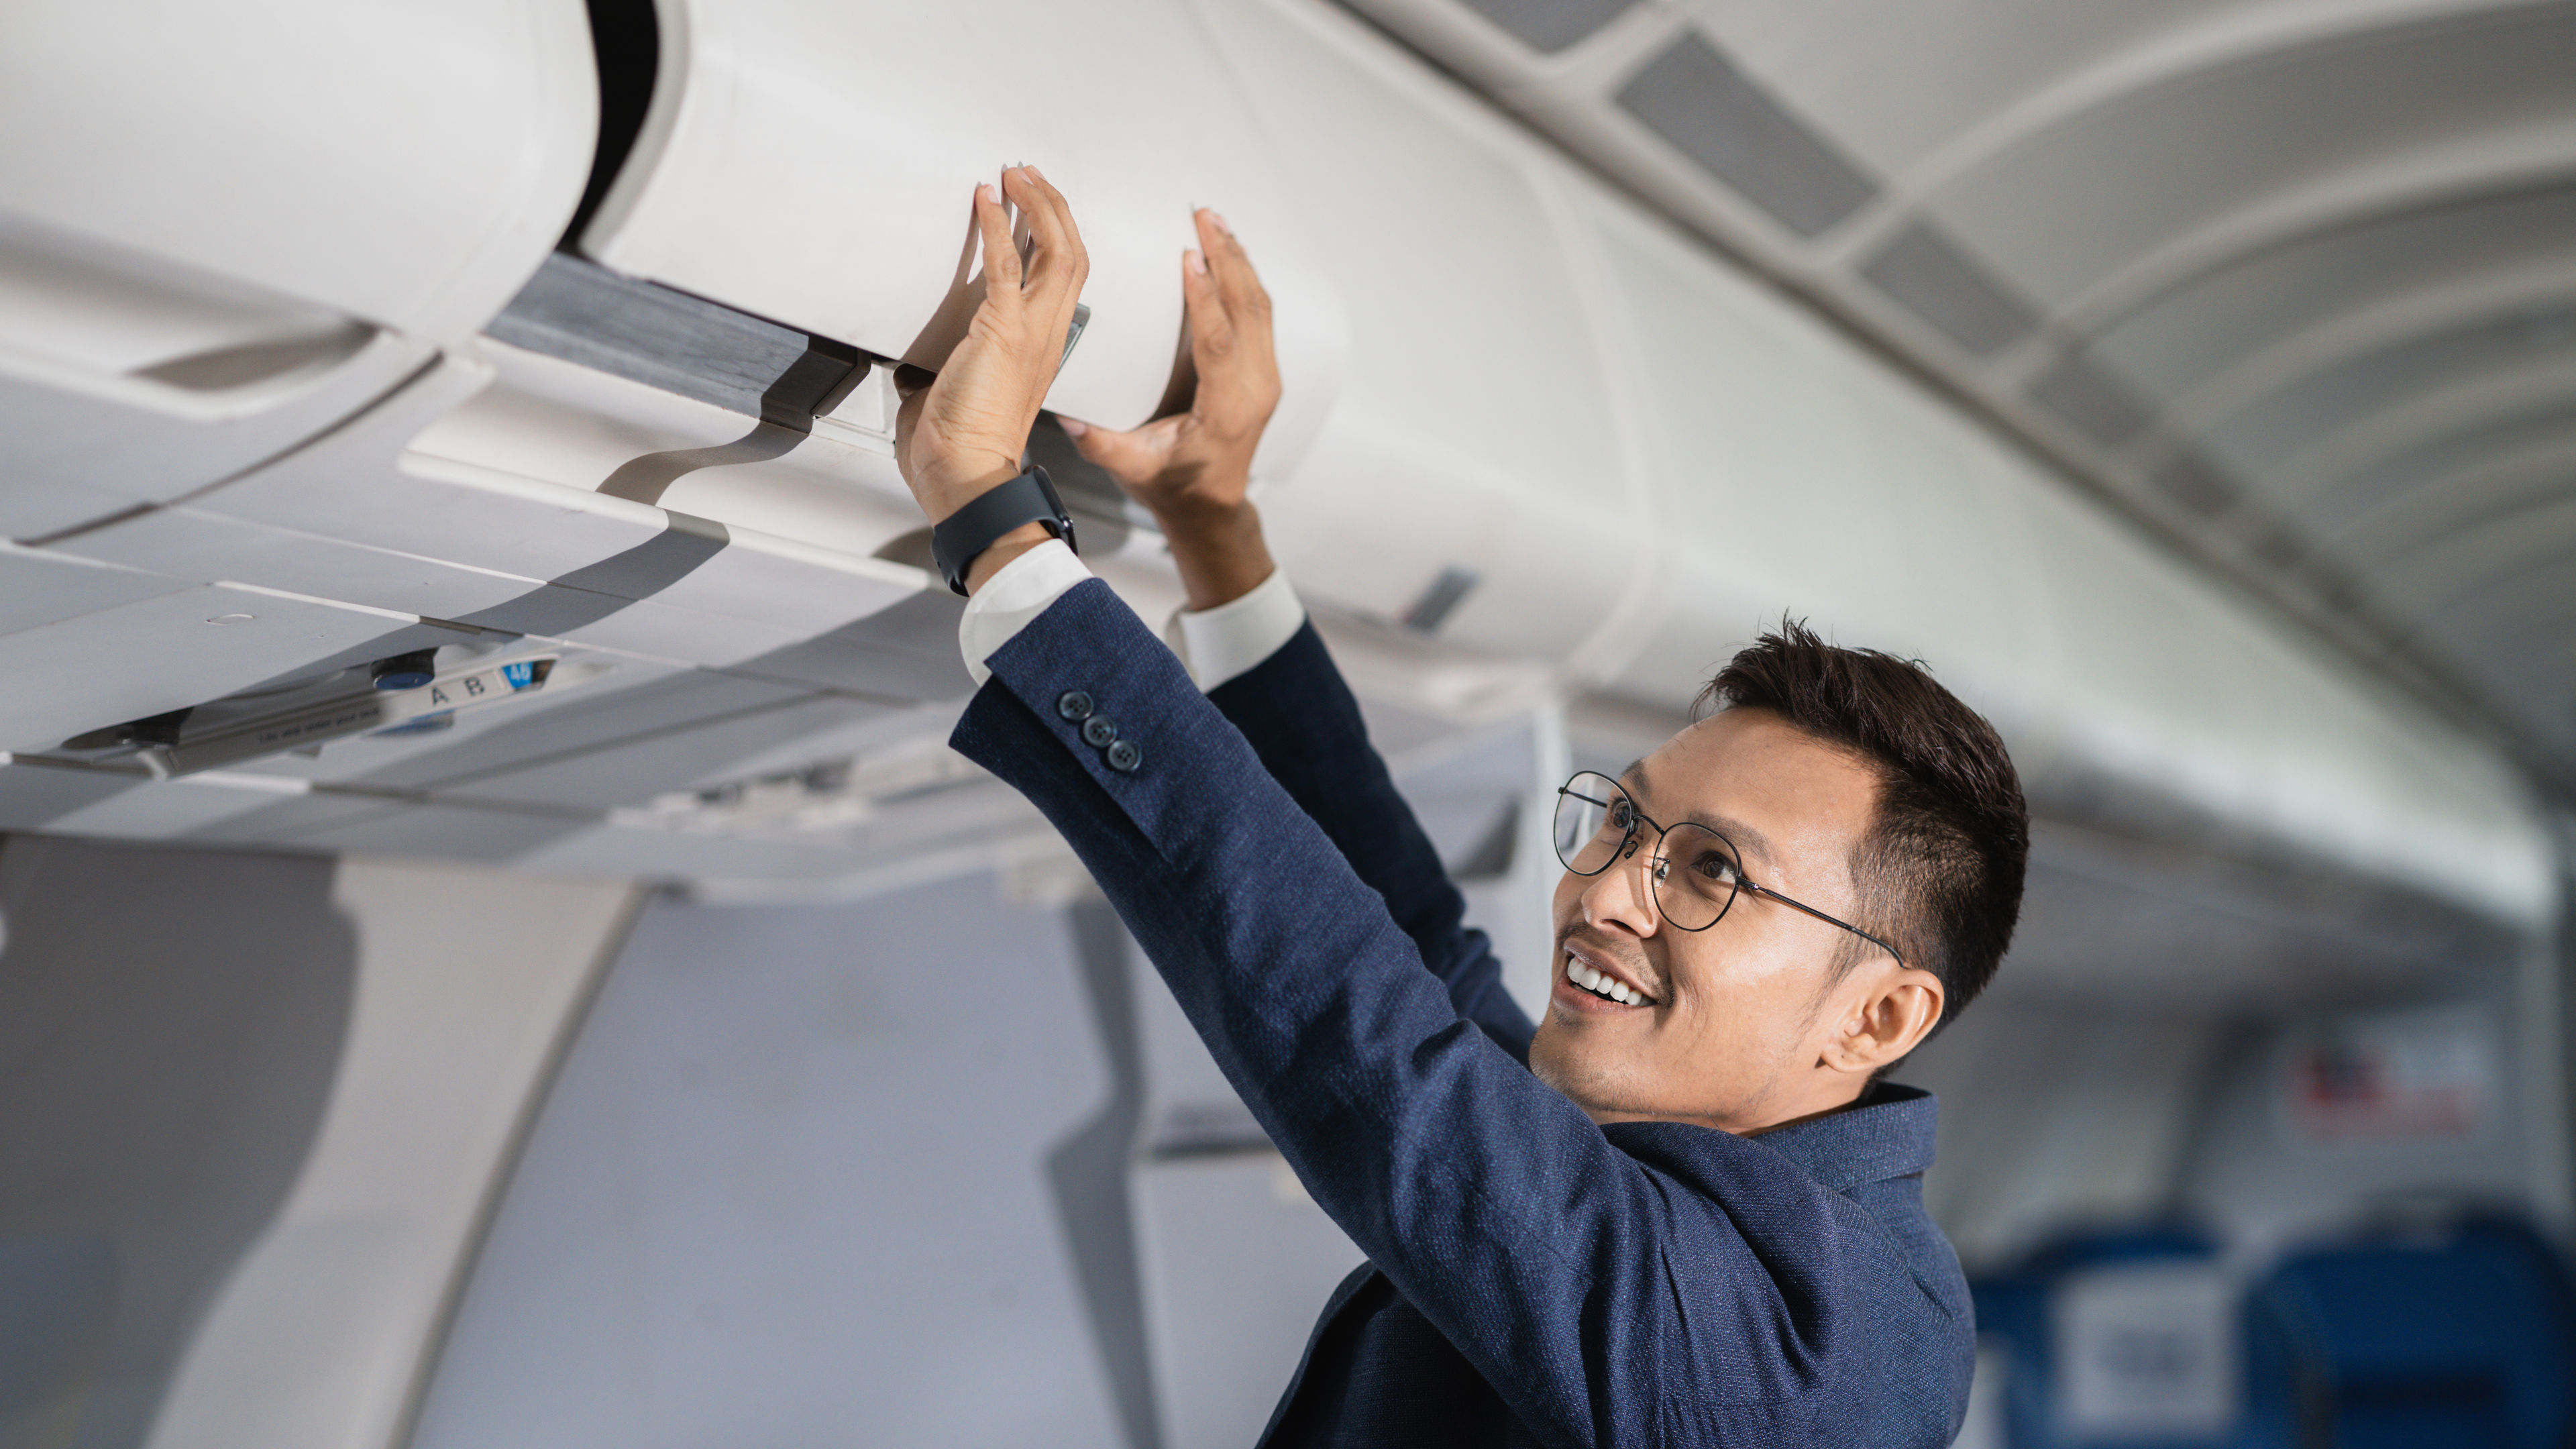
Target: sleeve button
[(1099, 730), (1073, 704), (1124, 757)]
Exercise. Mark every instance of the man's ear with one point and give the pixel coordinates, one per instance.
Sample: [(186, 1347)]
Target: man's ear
[(1888, 1013)]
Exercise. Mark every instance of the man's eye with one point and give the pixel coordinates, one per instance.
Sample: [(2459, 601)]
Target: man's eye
[(1622, 817), (1709, 865)]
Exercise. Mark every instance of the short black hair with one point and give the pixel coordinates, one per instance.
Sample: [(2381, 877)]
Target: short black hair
[(1940, 871)]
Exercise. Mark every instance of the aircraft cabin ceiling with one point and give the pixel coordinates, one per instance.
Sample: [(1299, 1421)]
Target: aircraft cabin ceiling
[(464, 428), (2293, 280)]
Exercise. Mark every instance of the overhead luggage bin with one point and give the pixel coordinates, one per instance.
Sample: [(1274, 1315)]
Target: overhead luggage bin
[(222, 230), (801, 161), (1478, 482)]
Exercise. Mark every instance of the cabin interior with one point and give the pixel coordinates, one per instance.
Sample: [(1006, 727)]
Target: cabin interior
[(499, 953)]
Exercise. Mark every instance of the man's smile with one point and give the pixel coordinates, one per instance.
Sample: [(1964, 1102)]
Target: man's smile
[(1593, 975)]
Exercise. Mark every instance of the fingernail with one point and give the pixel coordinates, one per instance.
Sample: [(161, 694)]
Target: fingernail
[(1073, 428), (983, 191), (1221, 224), (1198, 263)]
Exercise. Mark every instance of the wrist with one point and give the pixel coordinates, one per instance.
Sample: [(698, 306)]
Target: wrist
[(943, 491), (1004, 549), (1219, 551)]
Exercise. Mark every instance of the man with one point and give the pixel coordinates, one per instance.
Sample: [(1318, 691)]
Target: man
[(1679, 1210)]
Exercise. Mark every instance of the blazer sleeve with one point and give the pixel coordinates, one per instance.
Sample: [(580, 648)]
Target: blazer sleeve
[(1567, 1271), (1300, 717)]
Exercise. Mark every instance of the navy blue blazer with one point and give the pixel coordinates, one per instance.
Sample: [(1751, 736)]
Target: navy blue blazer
[(1533, 1277)]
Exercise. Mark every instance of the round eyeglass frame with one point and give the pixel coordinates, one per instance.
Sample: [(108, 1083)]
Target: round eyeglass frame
[(1658, 865)]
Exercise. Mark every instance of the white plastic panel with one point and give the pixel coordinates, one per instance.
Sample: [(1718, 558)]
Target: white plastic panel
[(124, 379), (813, 162), (1803, 478), (389, 498), (319, 1334), (38, 589), (405, 164), (164, 653), (1476, 430), (210, 548), (223, 230), (346, 519), (781, 583), (545, 418)]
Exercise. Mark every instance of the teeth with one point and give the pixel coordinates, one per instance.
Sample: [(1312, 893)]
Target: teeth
[(1602, 985)]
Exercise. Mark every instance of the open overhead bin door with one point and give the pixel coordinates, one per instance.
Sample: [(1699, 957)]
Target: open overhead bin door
[(813, 162), (224, 229)]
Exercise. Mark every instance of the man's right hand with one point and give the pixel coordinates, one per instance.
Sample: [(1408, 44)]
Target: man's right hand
[(1191, 471)]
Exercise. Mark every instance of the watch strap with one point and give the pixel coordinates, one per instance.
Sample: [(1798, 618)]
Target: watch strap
[(959, 538)]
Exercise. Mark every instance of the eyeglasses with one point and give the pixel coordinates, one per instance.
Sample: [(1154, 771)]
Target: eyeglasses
[(1695, 872)]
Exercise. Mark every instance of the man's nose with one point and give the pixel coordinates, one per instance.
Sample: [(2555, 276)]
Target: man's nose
[(1624, 895)]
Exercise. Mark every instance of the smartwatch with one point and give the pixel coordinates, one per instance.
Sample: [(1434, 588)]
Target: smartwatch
[(961, 536)]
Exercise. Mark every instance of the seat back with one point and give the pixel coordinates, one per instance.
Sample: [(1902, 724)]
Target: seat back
[(2124, 1339), (2424, 1338)]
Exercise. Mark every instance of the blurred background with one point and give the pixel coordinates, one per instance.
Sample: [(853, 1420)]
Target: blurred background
[(496, 951)]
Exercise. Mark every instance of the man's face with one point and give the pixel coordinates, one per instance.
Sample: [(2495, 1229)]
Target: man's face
[(1738, 1016)]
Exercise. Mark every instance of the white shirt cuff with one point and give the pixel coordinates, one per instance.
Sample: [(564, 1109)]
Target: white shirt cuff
[(1218, 644), (1019, 592)]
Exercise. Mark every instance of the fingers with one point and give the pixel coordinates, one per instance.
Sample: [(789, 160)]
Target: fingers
[(1245, 300), (1001, 258), (1133, 457), (1058, 264), (1230, 336), (1211, 329)]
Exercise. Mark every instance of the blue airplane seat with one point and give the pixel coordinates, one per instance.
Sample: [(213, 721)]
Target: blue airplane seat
[(2114, 1339), (2421, 1338)]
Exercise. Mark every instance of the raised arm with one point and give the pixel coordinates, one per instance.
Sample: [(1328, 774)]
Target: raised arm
[(1561, 1264), (1193, 472)]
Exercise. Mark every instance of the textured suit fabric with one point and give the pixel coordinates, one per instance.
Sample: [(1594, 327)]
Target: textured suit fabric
[(1533, 1277)]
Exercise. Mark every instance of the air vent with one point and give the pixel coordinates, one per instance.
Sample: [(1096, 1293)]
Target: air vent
[(1447, 590), (1695, 98), (1548, 26), (2081, 394), (1937, 282)]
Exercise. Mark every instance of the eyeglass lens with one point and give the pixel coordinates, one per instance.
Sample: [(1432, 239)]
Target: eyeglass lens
[(1693, 869)]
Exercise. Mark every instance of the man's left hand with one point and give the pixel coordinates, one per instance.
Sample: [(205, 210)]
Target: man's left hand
[(963, 434)]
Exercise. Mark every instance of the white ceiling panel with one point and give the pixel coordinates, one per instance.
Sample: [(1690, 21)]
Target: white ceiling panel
[(2285, 280), (177, 650), (39, 588), (360, 487), (633, 771), (34, 796), (207, 547), (405, 163), (674, 702)]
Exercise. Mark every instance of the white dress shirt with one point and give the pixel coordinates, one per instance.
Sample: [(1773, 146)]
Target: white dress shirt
[(1215, 644)]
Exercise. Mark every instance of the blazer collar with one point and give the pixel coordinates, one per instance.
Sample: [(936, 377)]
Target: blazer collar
[(1887, 1134)]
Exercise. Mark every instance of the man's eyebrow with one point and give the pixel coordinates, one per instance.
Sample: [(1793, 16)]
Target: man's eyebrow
[(1746, 839)]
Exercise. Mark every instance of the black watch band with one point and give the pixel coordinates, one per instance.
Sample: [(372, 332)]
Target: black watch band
[(961, 536)]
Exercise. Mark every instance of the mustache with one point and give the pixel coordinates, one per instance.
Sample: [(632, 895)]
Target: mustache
[(1631, 961)]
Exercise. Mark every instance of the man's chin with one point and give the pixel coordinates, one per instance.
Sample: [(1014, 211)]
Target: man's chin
[(1571, 1070)]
